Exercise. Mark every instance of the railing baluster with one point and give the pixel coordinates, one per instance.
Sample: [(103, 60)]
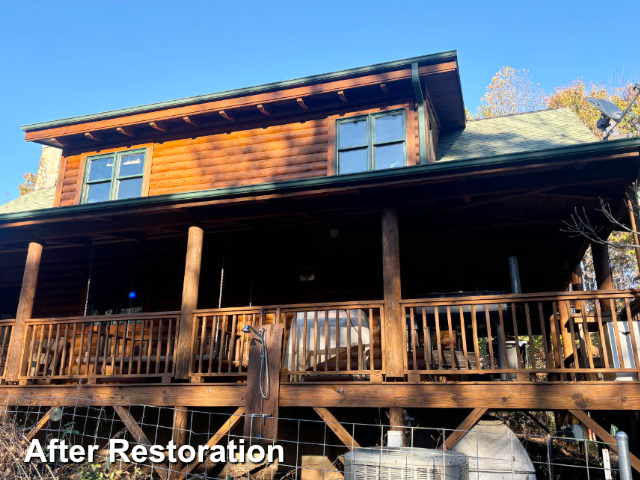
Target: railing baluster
[(203, 338), (427, 340), (213, 339), (559, 343), (132, 346), (545, 343), (632, 333), (463, 334), (304, 341), (150, 347), (503, 338), (603, 342), (326, 340), (159, 345), (223, 338), (232, 342), (123, 348), (141, 349), (487, 319), (515, 333), (63, 358), (414, 354), (337, 340), (169, 353), (436, 314), (531, 348), (348, 335), (452, 340), (572, 330), (587, 335), (474, 330), (360, 367)]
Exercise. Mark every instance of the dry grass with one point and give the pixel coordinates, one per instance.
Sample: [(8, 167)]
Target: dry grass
[(13, 450)]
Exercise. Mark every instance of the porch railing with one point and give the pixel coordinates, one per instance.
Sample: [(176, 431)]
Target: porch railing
[(220, 347), (102, 346), (336, 339), (5, 336), (554, 336)]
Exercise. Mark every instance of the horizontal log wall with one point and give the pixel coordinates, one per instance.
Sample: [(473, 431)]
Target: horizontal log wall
[(273, 153)]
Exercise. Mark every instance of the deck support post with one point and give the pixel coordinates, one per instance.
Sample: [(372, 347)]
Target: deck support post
[(184, 344), (178, 435), (632, 205), (25, 309), (394, 324)]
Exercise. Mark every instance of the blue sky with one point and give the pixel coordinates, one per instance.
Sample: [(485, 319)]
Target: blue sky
[(65, 58)]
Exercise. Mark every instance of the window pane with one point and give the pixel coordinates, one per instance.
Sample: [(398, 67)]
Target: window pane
[(389, 128), (98, 192), (353, 161), (353, 134), (131, 188), (131, 165), (390, 156), (100, 169)]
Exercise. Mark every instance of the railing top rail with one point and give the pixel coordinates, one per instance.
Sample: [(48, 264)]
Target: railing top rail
[(227, 310), (328, 305), (8, 321), (106, 318), (523, 297)]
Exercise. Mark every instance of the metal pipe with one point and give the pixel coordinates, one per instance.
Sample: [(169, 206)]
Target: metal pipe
[(419, 98), (514, 274), (624, 462)]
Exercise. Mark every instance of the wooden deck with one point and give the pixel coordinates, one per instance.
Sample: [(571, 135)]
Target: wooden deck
[(564, 337)]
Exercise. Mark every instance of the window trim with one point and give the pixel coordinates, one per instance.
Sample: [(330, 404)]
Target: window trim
[(115, 173), (371, 144)]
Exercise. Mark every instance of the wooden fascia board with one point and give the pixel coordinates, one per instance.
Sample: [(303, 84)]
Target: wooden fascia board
[(240, 102)]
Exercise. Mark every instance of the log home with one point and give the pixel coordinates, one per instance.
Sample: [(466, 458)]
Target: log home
[(394, 255)]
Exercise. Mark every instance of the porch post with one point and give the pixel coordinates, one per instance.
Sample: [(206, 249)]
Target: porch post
[(602, 268), (25, 308), (632, 204), (394, 324), (184, 345)]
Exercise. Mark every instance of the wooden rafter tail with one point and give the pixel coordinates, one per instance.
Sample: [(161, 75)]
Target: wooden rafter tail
[(191, 120), (466, 425), (337, 428), (303, 105), (127, 131), (61, 141), (384, 88), (262, 109), (603, 435), (139, 436), (38, 426), (159, 125), (343, 96), (226, 427), (224, 114), (95, 136)]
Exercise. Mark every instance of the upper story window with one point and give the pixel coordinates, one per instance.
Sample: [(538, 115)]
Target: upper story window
[(114, 176), (371, 142)]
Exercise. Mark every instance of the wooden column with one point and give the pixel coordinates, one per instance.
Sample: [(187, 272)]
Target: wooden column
[(25, 308), (394, 323), (601, 266), (184, 344), (179, 435), (396, 421), (632, 204)]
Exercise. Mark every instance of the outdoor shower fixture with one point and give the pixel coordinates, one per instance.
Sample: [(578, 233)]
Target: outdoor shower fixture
[(264, 359)]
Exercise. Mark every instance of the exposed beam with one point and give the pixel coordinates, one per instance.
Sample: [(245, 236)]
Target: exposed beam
[(61, 141), (603, 435), (384, 88), (128, 131), (336, 427), (491, 395), (191, 120), (301, 103), (224, 114), (343, 97), (159, 125), (95, 136), (139, 436), (218, 436), (263, 110), (466, 425)]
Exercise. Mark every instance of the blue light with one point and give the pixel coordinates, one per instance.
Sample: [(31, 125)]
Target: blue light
[(132, 294)]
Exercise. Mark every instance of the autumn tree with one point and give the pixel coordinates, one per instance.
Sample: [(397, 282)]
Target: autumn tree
[(511, 91), (29, 183)]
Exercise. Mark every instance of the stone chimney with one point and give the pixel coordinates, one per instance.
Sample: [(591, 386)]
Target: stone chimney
[(47, 175)]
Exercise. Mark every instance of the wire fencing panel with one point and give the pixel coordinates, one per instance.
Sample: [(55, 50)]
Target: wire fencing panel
[(313, 449)]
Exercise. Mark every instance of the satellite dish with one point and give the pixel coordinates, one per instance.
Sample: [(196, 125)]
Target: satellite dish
[(56, 414), (607, 108)]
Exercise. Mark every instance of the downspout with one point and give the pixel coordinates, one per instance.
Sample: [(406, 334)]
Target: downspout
[(422, 126)]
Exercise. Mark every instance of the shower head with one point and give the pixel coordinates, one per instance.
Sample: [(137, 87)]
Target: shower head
[(249, 328)]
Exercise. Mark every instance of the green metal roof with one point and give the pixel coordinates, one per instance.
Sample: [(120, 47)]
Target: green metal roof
[(524, 132), (336, 181), (36, 200), (341, 74)]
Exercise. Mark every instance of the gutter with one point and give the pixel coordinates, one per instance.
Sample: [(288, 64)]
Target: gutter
[(350, 180), (340, 74)]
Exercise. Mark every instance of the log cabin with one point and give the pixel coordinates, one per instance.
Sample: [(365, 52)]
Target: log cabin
[(391, 254)]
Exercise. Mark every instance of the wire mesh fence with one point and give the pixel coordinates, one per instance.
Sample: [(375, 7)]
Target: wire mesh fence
[(311, 449)]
